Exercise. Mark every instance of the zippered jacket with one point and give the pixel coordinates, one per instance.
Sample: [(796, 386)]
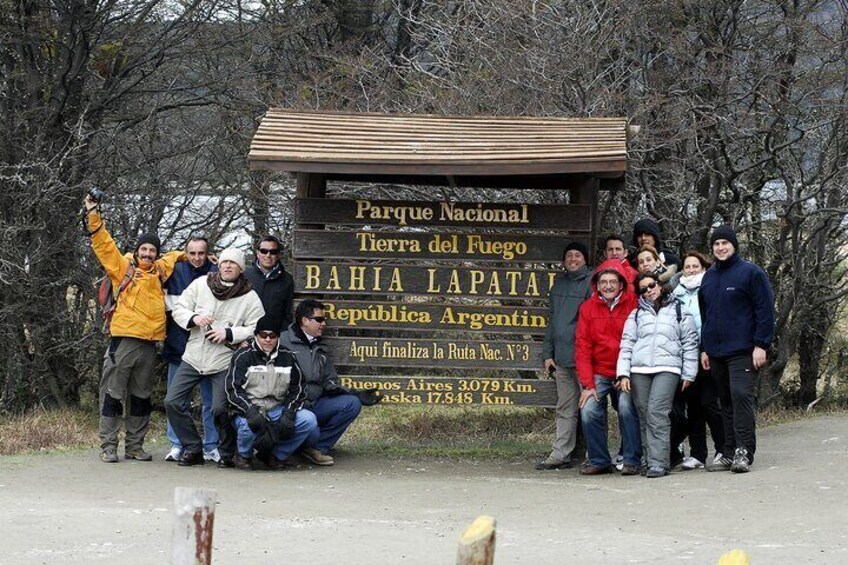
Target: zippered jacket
[(176, 337), (599, 328), (140, 310), (568, 293), (237, 315), (276, 290), (737, 308), (656, 342), (264, 380), (319, 374)]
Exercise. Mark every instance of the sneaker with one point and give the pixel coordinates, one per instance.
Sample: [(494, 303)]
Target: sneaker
[(740, 464), (174, 455), (212, 455), (720, 463), (316, 457), (691, 463), (656, 472), (552, 463), (138, 454), (618, 461), (109, 456)]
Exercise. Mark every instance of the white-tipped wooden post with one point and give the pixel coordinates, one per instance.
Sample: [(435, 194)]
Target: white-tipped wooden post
[(193, 526), (477, 543)]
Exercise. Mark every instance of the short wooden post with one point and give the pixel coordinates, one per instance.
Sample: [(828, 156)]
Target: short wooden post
[(477, 543), (193, 526)]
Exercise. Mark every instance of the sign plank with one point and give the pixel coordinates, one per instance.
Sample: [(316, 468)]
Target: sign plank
[(441, 353), (453, 391), (328, 277), (574, 217), (430, 245), (366, 315)]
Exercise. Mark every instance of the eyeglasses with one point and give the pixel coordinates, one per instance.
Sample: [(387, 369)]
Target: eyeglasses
[(646, 288), (265, 251), (267, 335), (608, 284), (319, 319)]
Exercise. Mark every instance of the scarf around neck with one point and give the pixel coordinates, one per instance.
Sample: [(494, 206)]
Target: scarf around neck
[(223, 290)]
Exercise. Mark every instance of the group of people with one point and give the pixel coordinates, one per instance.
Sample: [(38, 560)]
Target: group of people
[(675, 346), (267, 386)]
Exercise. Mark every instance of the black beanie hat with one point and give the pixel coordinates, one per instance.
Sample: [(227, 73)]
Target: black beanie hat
[(725, 232), (150, 238), (576, 245), (265, 324)]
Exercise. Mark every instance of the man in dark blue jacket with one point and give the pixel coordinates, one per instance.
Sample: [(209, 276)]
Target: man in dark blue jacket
[(197, 265), (737, 313), (272, 283)]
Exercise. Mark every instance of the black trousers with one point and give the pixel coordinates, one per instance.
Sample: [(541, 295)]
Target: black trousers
[(704, 412), (737, 380)]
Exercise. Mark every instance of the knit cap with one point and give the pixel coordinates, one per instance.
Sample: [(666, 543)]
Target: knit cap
[(576, 245), (150, 238), (725, 232), (232, 254)]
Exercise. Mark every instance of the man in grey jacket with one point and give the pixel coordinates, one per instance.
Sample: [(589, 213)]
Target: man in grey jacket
[(570, 289), (334, 406)]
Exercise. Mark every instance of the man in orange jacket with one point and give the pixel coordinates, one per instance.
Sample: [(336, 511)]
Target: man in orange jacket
[(137, 324)]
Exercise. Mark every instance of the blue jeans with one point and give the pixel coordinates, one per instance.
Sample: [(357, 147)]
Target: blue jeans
[(210, 432), (334, 415), (304, 426), (593, 415)]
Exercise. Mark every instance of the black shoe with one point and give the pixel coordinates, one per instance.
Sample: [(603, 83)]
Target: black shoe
[(656, 472), (243, 463), (270, 461), (226, 463), (191, 458)]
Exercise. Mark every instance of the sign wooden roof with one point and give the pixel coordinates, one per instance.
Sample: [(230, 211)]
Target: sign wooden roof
[(410, 144)]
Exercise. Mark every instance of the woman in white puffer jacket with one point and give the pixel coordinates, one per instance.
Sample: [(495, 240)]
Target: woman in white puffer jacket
[(659, 349)]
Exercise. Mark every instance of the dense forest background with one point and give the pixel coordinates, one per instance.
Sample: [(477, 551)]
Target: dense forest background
[(741, 103)]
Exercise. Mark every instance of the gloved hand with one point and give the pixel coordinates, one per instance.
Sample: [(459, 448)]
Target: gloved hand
[(285, 425), (257, 422), (265, 440), (369, 396)]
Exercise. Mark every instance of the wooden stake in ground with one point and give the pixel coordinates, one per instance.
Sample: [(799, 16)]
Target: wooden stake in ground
[(477, 543), (193, 526)]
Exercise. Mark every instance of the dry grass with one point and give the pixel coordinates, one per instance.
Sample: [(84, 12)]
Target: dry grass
[(47, 430)]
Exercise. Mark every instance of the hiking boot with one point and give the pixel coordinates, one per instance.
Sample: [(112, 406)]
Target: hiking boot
[(316, 457), (212, 455), (109, 456), (740, 464), (656, 472), (242, 463), (691, 463), (270, 461), (552, 463), (629, 470), (191, 458), (174, 455), (138, 454), (720, 463), (592, 470)]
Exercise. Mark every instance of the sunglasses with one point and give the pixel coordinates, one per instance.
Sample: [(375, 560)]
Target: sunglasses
[(649, 286), (265, 251), (319, 319), (266, 335)]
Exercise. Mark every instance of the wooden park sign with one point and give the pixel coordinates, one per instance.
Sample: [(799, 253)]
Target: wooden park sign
[(445, 277)]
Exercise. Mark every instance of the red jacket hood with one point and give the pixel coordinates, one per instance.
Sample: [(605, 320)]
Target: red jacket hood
[(618, 268)]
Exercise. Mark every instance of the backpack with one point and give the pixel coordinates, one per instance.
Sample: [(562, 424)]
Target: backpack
[(107, 296)]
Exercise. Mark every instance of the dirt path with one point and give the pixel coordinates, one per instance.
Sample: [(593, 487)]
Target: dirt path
[(789, 509)]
